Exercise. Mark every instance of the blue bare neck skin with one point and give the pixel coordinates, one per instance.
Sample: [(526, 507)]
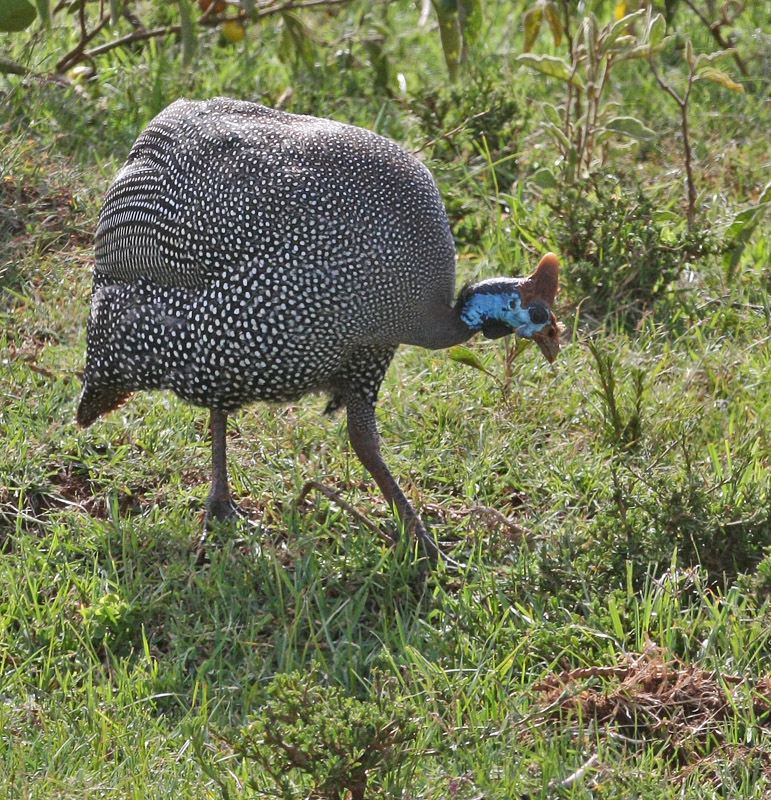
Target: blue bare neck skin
[(505, 307)]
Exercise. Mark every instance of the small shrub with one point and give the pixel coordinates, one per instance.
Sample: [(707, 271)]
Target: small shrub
[(621, 253), (757, 584), (110, 620), (316, 738), (471, 126), (719, 524), (459, 118)]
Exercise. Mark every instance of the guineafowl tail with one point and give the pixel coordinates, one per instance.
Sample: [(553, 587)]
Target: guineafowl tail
[(95, 401)]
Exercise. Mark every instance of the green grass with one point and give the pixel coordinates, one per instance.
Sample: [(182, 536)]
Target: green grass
[(614, 511)]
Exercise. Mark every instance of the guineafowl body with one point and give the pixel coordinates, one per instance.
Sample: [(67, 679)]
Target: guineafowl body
[(244, 254)]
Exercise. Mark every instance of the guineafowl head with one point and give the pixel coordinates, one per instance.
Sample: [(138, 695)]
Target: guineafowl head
[(500, 306)]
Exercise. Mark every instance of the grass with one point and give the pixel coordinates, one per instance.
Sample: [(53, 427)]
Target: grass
[(613, 510)]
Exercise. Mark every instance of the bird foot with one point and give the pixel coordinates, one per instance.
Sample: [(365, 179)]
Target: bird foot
[(429, 547), (218, 512)]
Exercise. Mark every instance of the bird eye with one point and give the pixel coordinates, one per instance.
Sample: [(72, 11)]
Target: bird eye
[(538, 314)]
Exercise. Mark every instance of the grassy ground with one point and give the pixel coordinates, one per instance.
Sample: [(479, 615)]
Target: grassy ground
[(610, 636)]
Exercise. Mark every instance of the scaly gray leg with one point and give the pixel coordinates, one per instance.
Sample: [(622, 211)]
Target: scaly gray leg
[(219, 505), (363, 433)]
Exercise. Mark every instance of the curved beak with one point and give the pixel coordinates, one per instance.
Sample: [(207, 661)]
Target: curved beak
[(543, 285), (549, 340)]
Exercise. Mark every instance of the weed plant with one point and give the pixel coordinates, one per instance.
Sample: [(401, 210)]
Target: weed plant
[(623, 252), (613, 510)]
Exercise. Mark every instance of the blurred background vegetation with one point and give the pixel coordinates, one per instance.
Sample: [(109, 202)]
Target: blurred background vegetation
[(610, 637)]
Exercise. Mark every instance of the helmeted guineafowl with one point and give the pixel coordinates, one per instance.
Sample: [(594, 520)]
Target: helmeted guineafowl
[(247, 254)]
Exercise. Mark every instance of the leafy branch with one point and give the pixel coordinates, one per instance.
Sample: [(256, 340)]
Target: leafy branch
[(582, 123), (699, 68), (726, 18), (514, 348), (214, 15), (580, 126)]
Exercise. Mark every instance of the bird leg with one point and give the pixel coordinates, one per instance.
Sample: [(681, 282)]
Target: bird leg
[(219, 505), (363, 434)]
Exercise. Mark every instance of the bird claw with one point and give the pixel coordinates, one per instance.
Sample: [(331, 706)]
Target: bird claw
[(430, 548), (218, 512)]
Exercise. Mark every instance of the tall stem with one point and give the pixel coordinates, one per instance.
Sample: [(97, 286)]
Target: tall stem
[(682, 103), (690, 185)]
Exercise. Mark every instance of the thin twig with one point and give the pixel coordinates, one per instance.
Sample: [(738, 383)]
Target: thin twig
[(682, 103), (580, 772), (494, 516), (714, 29), (332, 495), (455, 130), (130, 38), (79, 53), (573, 103), (141, 35), (292, 5)]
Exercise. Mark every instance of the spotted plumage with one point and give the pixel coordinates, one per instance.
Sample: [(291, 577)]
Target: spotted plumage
[(248, 254)]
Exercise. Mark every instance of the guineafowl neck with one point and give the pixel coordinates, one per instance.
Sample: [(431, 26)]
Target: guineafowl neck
[(446, 331), (446, 326)]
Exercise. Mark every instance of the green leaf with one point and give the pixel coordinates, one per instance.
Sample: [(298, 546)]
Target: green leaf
[(666, 216), (248, 6), (15, 15), (689, 56), (706, 59), (550, 65), (449, 31), (641, 51), (657, 29), (8, 66), (531, 22), (545, 178), (589, 30), (717, 76), (619, 28), (744, 220), (189, 39), (465, 356), (552, 114), (740, 231), (559, 136), (295, 42), (44, 11), (622, 45), (554, 19), (629, 126)]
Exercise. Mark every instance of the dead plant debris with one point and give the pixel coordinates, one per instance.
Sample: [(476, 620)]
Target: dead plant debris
[(655, 698)]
